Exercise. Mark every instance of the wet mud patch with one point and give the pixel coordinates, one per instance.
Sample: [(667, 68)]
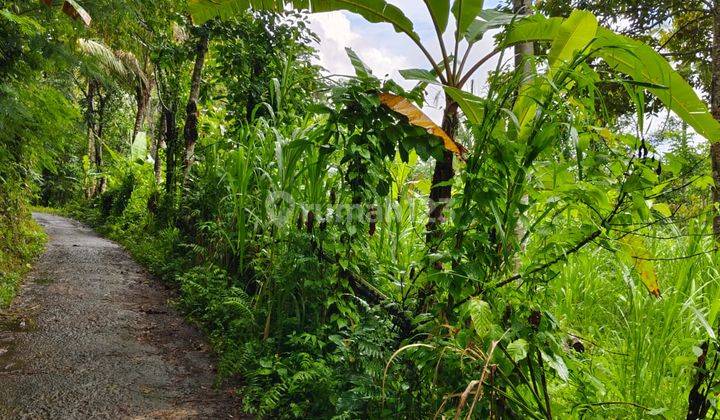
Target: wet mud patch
[(10, 324), (13, 322), (43, 281)]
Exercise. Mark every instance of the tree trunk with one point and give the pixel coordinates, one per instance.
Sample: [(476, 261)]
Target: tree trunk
[(444, 172), (171, 140), (102, 184), (90, 121), (522, 51), (698, 404), (715, 109), (191, 120), (157, 145), (142, 96)]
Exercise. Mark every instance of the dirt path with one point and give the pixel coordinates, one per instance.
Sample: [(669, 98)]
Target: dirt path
[(90, 335)]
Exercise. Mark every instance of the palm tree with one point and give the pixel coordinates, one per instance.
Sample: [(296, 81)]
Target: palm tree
[(124, 68)]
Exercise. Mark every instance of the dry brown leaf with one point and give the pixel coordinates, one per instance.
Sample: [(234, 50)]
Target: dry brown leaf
[(416, 117), (75, 11)]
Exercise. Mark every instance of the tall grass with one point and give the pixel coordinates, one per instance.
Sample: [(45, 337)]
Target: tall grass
[(639, 350)]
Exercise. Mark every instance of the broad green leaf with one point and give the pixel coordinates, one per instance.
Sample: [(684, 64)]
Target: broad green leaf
[(558, 364), (526, 105), (663, 209), (574, 34), (422, 75), (361, 70), (471, 105), (440, 13), (644, 64), (204, 10), (495, 15), (465, 12), (704, 182), (481, 316), (636, 60), (375, 11), (657, 412), (518, 349), (488, 19), (532, 28)]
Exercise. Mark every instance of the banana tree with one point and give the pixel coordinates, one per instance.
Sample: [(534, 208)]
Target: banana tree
[(124, 68), (452, 68)]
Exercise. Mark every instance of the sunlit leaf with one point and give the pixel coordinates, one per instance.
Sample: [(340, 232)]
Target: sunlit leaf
[(532, 28), (703, 321), (633, 251), (635, 59), (663, 209), (644, 64), (481, 316), (574, 34), (518, 349), (557, 364), (657, 411), (138, 149), (204, 10), (421, 75)]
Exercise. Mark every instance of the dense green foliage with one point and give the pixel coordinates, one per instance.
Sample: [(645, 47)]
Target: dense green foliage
[(571, 274), (38, 124)]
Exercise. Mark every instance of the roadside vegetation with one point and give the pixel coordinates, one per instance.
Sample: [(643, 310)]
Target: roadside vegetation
[(538, 253), (21, 240)]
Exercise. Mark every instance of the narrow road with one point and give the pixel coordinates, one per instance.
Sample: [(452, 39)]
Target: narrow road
[(91, 335)]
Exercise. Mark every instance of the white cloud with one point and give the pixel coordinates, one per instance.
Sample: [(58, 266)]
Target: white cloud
[(336, 32)]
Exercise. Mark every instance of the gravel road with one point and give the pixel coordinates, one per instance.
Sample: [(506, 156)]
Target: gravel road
[(91, 335)]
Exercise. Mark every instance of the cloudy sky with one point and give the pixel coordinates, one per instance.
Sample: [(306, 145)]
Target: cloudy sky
[(384, 50)]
